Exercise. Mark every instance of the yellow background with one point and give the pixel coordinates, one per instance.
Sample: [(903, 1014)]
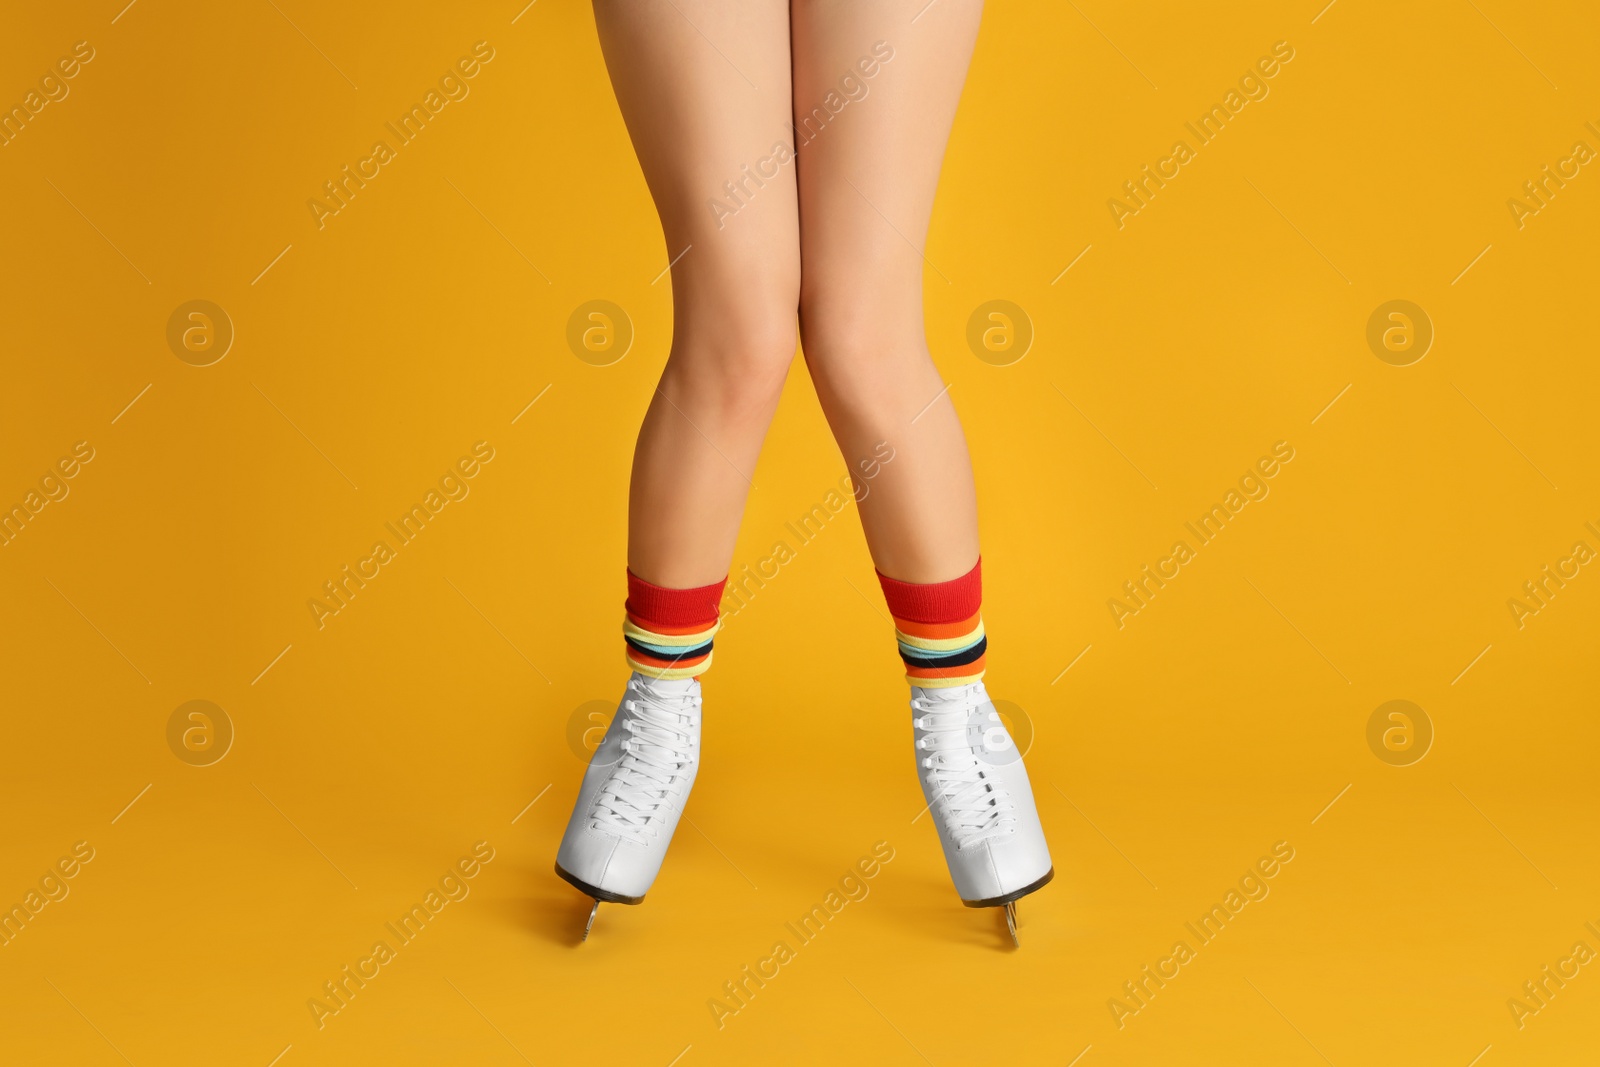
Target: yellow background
[(427, 714)]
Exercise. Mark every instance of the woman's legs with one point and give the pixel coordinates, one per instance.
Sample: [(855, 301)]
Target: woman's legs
[(875, 94), (867, 178), (698, 123)]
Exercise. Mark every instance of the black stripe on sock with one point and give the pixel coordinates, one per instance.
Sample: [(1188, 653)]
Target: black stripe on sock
[(955, 659)]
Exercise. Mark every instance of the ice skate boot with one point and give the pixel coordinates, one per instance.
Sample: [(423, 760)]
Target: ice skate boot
[(633, 793), (977, 790)]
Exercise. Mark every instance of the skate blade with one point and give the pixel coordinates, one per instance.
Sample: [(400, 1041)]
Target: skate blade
[(1011, 922), (596, 910)]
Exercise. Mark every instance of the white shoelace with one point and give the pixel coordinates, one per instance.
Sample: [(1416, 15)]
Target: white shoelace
[(657, 749), (975, 805)]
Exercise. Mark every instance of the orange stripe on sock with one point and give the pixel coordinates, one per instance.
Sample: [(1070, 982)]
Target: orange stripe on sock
[(966, 670), (657, 662), (671, 631), (939, 630)]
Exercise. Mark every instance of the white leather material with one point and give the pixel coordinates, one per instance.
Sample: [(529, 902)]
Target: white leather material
[(623, 820), (978, 793)]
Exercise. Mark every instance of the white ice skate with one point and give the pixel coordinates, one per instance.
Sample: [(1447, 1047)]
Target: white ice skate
[(633, 793), (977, 789)]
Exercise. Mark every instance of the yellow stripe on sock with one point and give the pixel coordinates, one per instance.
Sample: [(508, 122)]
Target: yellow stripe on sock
[(944, 683), (639, 633)]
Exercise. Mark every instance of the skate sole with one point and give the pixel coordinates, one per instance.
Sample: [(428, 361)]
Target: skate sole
[(615, 898), (1005, 898)]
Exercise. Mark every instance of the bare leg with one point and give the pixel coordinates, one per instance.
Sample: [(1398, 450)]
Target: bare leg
[(697, 123), (867, 177)]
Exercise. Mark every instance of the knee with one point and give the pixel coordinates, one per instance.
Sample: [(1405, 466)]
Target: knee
[(740, 363), (860, 342), (736, 350)]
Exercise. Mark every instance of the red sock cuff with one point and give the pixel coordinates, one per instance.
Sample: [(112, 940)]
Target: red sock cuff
[(938, 602), (673, 607)]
